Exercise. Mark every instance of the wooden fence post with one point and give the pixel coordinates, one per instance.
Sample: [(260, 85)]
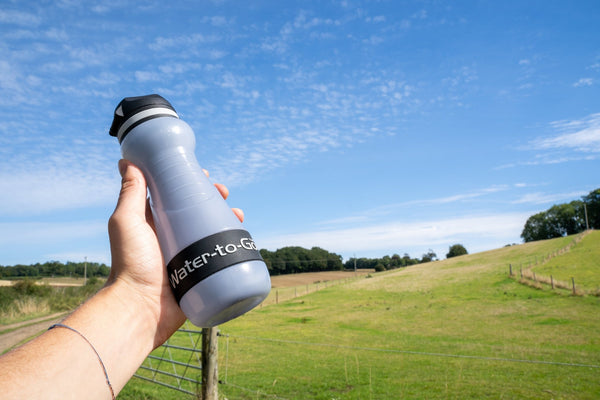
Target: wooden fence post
[(210, 376), (510, 269), (573, 281), (552, 281)]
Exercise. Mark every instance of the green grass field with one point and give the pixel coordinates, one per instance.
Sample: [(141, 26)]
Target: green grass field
[(581, 263), (453, 329)]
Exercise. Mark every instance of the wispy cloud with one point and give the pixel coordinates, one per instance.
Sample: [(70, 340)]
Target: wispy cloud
[(386, 210), (584, 82), (548, 198), (579, 135), (162, 43), (12, 233), (37, 192), (475, 232), (30, 242), (19, 18), (574, 140)]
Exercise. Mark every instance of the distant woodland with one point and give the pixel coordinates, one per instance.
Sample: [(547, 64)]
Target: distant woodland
[(559, 220), (564, 219), (55, 269), (287, 260)]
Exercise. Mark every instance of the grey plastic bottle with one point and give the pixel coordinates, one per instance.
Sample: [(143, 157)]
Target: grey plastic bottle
[(214, 268)]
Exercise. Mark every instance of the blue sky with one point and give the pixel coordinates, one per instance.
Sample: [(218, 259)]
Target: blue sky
[(367, 128)]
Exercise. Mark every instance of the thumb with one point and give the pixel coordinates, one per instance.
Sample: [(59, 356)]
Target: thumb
[(132, 197)]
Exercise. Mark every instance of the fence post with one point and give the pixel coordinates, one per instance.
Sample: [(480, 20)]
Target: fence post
[(210, 376), (510, 269), (573, 281), (552, 281)]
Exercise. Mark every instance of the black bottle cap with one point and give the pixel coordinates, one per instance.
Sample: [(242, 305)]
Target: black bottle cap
[(132, 111)]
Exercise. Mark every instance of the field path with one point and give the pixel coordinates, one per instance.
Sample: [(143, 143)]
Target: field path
[(23, 330)]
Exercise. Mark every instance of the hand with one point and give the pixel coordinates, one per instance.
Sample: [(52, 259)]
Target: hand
[(137, 261)]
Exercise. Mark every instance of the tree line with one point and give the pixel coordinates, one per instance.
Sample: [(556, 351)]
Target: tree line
[(55, 269), (564, 219), (287, 260), (294, 259), (395, 261)]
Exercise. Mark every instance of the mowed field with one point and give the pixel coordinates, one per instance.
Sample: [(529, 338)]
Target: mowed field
[(455, 329), (307, 278)]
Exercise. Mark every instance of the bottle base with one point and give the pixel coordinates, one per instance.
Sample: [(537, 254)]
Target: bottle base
[(227, 294)]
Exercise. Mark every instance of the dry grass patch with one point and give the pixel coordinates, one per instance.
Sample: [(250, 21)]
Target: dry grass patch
[(307, 278)]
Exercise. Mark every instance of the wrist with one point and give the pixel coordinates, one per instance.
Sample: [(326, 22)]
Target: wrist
[(139, 309), (153, 306), (120, 327)]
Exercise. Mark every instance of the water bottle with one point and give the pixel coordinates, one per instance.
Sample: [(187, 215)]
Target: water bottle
[(214, 267)]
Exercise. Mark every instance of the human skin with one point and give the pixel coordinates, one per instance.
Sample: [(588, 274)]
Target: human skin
[(133, 313)]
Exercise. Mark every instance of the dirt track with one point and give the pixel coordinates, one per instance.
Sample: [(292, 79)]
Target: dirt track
[(24, 330)]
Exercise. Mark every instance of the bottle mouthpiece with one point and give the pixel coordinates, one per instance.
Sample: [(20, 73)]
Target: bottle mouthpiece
[(132, 111)]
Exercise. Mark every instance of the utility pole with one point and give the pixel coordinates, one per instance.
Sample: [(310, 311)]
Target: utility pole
[(587, 227), (85, 271)]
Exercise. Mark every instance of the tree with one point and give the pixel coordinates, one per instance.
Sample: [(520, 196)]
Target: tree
[(294, 259), (592, 202), (559, 220), (429, 256), (536, 228), (456, 250)]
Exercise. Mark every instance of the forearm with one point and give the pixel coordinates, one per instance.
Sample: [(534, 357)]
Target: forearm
[(60, 364)]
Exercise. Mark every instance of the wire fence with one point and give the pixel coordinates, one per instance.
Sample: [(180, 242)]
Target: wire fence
[(287, 293), (370, 372), (177, 364), (526, 274)]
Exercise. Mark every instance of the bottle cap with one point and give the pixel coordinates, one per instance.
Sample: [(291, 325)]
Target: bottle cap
[(132, 111)]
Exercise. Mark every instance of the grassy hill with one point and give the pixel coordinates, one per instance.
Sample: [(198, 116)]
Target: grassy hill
[(455, 329)]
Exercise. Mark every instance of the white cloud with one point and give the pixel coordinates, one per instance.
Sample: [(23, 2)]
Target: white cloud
[(546, 159), (146, 76), (373, 40), (33, 192), (30, 242), (477, 233), (184, 41), (32, 233), (547, 198), (580, 135), (19, 18), (584, 82)]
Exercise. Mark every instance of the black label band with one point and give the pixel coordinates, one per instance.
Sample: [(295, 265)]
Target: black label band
[(207, 256)]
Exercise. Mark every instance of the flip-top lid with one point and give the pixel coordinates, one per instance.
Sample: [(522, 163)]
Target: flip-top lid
[(132, 111)]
